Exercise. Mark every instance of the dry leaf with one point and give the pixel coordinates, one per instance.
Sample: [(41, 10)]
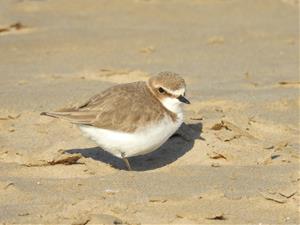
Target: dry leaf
[(179, 216), (3, 30), (11, 129), (227, 136), (216, 155), (217, 126), (288, 82), (81, 222), (24, 214), (196, 118), (274, 197), (13, 117), (268, 146), (288, 191), (66, 159), (158, 200), (215, 165), (5, 185), (217, 217), (17, 26)]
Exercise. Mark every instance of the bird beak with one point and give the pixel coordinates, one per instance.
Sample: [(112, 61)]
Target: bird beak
[(183, 99)]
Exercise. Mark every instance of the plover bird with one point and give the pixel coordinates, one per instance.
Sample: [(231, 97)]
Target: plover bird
[(131, 119)]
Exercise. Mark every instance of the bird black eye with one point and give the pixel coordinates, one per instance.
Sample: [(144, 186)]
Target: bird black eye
[(161, 90)]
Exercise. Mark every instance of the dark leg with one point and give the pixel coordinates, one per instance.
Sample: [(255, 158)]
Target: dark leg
[(126, 161)]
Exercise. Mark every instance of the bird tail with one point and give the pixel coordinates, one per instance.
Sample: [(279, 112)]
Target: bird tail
[(76, 117)]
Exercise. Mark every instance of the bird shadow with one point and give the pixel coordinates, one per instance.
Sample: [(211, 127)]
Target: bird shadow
[(177, 145)]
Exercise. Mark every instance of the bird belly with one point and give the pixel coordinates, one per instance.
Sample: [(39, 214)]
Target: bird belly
[(142, 141)]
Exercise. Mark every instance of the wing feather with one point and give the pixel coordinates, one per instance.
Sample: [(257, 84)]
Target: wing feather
[(117, 108)]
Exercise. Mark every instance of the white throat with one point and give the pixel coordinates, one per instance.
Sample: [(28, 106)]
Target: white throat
[(173, 104)]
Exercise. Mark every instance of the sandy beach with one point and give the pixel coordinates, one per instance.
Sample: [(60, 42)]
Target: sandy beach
[(235, 160)]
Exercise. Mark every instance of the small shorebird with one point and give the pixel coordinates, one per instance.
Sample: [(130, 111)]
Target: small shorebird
[(131, 119)]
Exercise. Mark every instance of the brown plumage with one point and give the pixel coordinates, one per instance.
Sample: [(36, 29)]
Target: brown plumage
[(131, 119), (168, 79), (124, 107)]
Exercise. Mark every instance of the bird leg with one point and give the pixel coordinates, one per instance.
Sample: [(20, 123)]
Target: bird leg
[(126, 161)]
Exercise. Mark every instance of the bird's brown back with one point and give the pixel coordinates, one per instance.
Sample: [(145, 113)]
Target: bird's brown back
[(124, 107)]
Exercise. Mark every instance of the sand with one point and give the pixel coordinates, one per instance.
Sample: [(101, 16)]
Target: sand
[(234, 161)]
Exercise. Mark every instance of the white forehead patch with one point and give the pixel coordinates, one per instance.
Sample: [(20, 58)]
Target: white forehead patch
[(177, 92)]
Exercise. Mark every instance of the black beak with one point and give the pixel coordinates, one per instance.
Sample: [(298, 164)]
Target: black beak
[(183, 99)]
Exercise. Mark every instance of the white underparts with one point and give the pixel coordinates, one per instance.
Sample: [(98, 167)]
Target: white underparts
[(142, 141)]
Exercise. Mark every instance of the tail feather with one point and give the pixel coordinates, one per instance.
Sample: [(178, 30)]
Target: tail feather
[(73, 117)]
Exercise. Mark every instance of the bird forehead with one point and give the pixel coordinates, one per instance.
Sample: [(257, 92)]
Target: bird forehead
[(171, 82)]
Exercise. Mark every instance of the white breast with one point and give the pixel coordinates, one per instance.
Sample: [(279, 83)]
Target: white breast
[(143, 141)]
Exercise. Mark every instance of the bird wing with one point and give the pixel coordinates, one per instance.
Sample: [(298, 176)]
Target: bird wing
[(118, 108)]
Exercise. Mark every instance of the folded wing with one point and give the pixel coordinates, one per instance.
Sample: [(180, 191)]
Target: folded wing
[(117, 108)]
